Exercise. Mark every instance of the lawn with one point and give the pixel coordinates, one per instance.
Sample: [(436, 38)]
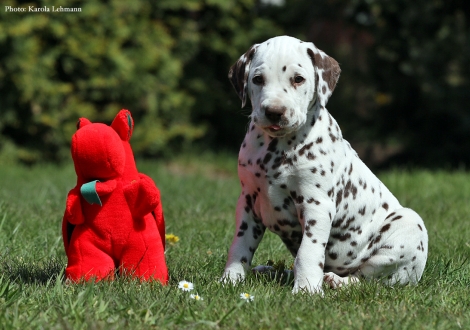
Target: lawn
[(199, 196)]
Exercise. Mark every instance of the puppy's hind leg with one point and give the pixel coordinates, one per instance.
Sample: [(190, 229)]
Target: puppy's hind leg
[(399, 252)]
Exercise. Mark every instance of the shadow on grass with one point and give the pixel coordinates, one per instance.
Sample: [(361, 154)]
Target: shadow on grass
[(24, 272)]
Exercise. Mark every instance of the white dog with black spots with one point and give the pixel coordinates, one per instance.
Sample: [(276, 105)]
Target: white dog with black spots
[(302, 180)]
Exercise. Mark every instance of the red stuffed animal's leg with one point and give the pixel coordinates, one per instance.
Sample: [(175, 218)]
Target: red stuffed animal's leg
[(85, 260), (144, 256)]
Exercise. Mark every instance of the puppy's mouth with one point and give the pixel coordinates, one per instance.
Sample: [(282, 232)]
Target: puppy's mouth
[(273, 128)]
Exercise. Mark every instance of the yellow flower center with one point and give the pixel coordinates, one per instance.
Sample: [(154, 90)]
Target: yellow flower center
[(247, 295), (185, 285)]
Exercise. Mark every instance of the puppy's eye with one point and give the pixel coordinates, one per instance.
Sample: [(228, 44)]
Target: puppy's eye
[(258, 80), (298, 79)]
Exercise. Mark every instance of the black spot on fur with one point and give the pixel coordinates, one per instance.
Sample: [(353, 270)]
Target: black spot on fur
[(312, 222), (397, 217), (385, 228), (311, 200), (304, 148), (346, 225), (339, 197), (390, 215), (342, 237), (267, 158), (338, 222), (362, 211), (272, 145)]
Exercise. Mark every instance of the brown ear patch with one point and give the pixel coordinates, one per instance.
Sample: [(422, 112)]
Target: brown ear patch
[(331, 72), (330, 67)]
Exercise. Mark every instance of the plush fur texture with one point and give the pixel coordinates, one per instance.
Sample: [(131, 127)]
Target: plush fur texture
[(304, 182), (113, 217)]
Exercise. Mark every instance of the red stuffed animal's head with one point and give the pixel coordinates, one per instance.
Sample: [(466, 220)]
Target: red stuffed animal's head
[(97, 151)]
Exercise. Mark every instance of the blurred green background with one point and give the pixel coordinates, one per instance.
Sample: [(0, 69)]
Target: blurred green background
[(402, 99)]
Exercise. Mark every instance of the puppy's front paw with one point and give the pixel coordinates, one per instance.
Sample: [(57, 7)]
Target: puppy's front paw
[(233, 274), (305, 286)]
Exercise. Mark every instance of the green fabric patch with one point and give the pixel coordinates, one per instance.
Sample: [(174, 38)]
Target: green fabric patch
[(88, 191), (129, 123)]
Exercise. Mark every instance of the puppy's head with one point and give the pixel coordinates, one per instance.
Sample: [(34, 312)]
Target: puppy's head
[(284, 77)]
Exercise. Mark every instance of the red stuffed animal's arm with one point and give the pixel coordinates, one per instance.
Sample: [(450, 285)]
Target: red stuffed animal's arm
[(73, 208), (142, 196), (106, 187), (91, 191)]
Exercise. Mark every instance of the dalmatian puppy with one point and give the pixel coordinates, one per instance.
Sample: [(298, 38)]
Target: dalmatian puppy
[(302, 180)]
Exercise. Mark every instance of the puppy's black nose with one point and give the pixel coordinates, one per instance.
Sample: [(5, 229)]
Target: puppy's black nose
[(274, 114)]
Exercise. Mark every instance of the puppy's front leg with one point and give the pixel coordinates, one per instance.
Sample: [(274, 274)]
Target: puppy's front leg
[(248, 233), (310, 259)]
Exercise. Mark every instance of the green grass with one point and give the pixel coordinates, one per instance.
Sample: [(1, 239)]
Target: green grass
[(199, 197)]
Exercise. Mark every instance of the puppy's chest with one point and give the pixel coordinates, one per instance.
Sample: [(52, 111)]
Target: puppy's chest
[(282, 162), (273, 169)]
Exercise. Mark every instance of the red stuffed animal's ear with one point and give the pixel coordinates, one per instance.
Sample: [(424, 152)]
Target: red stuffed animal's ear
[(82, 122), (123, 124)]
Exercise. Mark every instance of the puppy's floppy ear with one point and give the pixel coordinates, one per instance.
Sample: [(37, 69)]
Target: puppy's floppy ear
[(238, 73), (327, 73)]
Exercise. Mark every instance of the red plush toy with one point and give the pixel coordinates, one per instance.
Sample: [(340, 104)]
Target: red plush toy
[(113, 216)]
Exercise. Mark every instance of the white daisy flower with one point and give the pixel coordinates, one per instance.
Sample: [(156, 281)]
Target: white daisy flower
[(185, 285), (195, 297), (247, 296)]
